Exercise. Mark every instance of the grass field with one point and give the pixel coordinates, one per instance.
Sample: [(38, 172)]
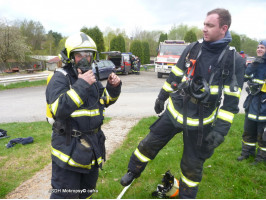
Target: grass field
[(223, 177), (23, 84)]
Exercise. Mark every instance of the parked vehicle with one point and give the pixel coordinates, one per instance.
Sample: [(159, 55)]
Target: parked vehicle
[(168, 54), (249, 60), (105, 67), (123, 61)]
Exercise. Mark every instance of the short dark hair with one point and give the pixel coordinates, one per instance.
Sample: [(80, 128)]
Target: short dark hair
[(224, 16)]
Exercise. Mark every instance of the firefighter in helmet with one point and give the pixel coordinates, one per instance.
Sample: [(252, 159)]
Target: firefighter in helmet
[(77, 101), (206, 70), (255, 108)]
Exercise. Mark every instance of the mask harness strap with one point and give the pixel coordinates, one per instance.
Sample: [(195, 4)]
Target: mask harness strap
[(187, 98), (201, 104)]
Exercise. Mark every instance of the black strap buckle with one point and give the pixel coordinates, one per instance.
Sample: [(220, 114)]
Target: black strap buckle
[(76, 133)]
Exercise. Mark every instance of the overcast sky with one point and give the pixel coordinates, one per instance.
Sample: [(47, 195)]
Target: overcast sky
[(69, 16)]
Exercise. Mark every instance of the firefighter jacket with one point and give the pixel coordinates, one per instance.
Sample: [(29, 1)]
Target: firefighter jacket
[(255, 105), (206, 64), (78, 109)]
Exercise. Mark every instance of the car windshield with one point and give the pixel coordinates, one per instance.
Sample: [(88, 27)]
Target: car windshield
[(171, 49)]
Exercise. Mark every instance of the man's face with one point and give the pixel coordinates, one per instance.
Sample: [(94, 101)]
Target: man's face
[(79, 55), (261, 50), (212, 31)]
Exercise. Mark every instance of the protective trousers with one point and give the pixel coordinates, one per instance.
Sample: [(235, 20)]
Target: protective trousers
[(194, 156), (253, 133), (72, 185)]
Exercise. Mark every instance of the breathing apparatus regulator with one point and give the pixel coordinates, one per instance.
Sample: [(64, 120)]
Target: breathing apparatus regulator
[(197, 86), (169, 187), (253, 88)]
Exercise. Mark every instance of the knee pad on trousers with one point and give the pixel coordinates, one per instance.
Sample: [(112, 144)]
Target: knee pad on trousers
[(186, 192)]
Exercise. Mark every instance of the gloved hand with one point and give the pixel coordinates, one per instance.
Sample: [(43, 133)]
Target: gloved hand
[(214, 139), (258, 60), (159, 106)]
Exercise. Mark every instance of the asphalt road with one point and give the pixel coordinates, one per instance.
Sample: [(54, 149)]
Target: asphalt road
[(136, 100)]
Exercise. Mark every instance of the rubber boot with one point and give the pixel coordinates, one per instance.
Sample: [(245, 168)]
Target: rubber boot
[(246, 152), (260, 157), (186, 192), (128, 178)]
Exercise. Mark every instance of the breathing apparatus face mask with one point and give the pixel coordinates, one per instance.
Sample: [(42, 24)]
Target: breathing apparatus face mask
[(83, 61)]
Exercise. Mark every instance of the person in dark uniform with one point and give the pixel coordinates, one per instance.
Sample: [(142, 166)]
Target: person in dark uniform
[(205, 70), (255, 108), (77, 101)]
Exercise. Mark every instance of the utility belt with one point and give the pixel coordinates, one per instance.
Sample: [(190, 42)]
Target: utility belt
[(76, 133)]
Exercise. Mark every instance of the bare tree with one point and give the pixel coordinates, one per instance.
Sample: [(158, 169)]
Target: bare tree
[(12, 43)]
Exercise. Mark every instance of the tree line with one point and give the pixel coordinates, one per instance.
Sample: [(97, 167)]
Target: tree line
[(19, 39)]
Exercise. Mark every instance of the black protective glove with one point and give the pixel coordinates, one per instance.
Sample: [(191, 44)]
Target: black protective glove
[(214, 139), (159, 106), (258, 60)]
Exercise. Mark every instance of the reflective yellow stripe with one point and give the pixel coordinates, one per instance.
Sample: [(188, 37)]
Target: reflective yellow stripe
[(258, 81), (262, 148), (262, 117), (251, 116), (177, 71), (75, 97), (65, 158), (167, 87), (247, 76), (228, 92), (108, 96), (214, 89), (190, 121), (188, 182), (85, 112), (249, 144), (53, 107), (140, 156), (225, 115)]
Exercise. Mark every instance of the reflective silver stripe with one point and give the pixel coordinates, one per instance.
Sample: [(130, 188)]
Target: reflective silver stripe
[(249, 144), (247, 76), (140, 156), (177, 71), (225, 115), (85, 112), (228, 92), (75, 97), (188, 182), (167, 87), (190, 121)]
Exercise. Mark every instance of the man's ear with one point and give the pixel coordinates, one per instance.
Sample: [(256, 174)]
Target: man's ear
[(225, 28)]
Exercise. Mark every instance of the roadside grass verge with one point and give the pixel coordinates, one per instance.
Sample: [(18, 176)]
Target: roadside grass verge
[(223, 177), (23, 84), (21, 162)]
